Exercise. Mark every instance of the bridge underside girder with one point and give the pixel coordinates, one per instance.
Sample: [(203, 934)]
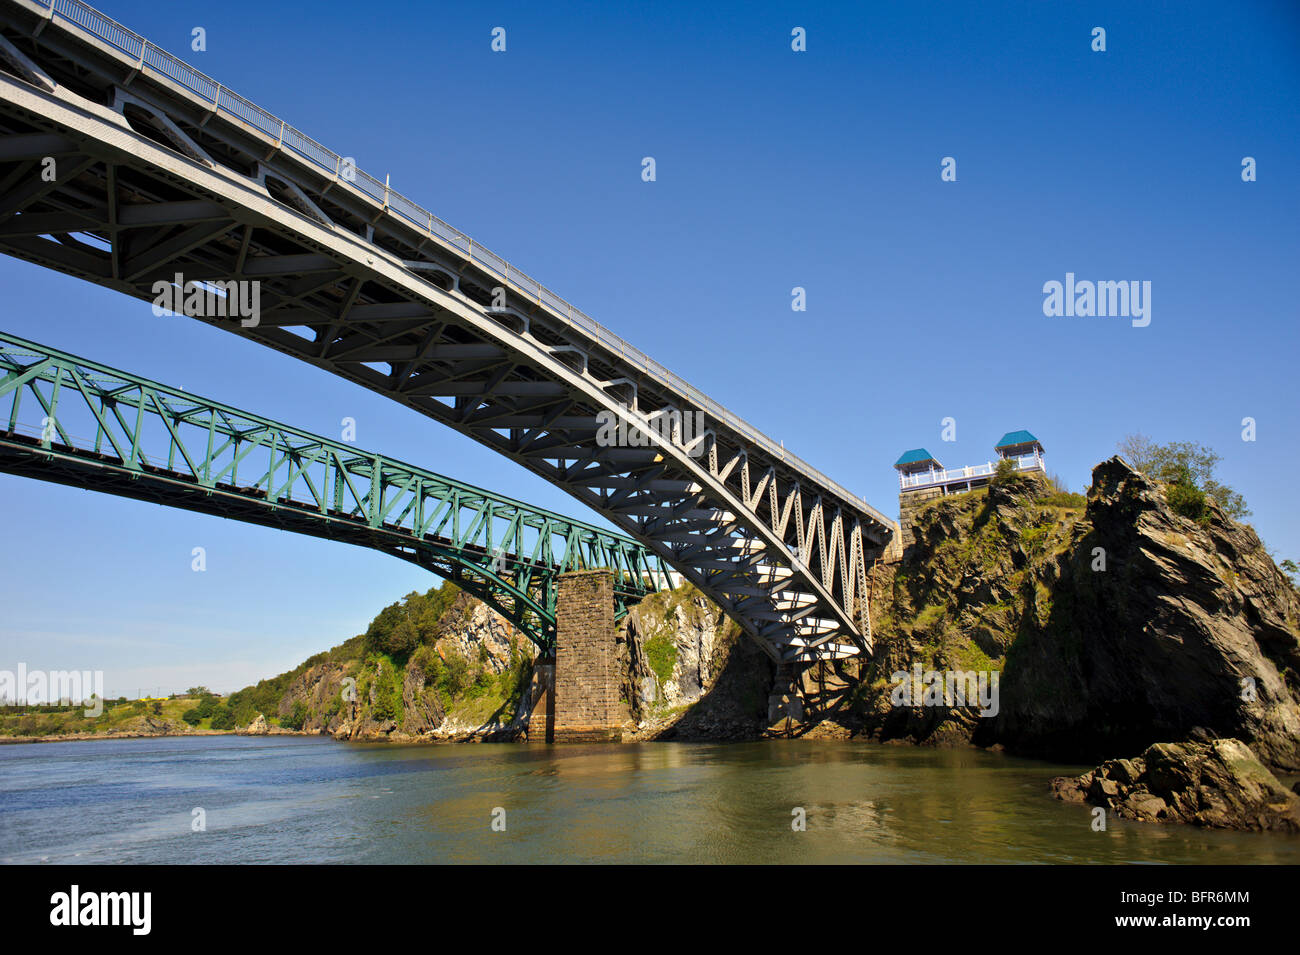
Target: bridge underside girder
[(153, 182)]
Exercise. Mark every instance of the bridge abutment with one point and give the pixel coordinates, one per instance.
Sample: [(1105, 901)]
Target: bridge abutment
[(541, 702), (909, 503), (583, 703)]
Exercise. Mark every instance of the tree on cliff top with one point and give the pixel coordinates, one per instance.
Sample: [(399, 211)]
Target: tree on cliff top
[(401, 627), (1188, 468)]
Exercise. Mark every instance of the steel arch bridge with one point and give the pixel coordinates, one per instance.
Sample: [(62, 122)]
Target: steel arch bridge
[(160, 444), (166, 177)]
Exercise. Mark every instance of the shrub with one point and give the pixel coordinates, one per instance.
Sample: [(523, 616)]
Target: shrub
[(297, 718), (661, 653), (515, 678), (426, 661), (401, 627), (1187, 499), (455, 674), (384, 708), (1003, 471), (384, 690), (392, 632), (223, 719), (192, 716), (1066, 499)]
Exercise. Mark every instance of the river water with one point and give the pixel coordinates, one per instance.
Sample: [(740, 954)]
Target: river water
[(300, 799)]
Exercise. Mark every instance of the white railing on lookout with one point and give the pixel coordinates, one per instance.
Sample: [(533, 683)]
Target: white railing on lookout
[(907, 482)]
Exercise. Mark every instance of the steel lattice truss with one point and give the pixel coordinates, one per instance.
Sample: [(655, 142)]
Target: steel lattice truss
[(75, 422), (161, 172)]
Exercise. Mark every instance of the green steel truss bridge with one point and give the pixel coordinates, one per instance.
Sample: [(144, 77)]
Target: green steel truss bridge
[(72, 421), (163, 172)]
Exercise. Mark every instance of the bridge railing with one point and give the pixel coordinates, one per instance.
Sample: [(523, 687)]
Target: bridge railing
[(235, 106)]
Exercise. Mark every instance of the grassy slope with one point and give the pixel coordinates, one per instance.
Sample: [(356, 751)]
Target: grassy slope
[(121, 718)]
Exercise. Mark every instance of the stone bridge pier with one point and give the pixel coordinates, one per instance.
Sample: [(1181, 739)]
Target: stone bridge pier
[(575, 697)]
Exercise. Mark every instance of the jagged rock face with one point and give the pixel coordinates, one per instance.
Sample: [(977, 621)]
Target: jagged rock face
[(422, 710), (692, 625), (1189, 625), (321, 688), (973, 585), (469, 629), (478, 633), (1113, 627), (717, 683), (1219, 784)]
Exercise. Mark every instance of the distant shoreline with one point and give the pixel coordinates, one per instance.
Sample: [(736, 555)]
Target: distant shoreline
[(83, 737)]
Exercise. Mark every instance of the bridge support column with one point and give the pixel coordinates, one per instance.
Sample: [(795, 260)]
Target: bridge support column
[(586, 679), (784, 703)]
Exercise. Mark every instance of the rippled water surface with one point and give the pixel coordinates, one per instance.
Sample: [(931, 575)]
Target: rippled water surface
[(294, 799)]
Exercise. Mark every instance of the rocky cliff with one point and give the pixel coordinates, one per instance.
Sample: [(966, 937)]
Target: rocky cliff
[(686, 674), (689, 671), (1113, 624)]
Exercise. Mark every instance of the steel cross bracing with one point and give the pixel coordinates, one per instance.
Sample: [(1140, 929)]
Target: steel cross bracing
[(161, 171), (72, 421)]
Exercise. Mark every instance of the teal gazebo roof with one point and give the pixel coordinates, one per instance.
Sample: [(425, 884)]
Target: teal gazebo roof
[(914, 457), (1014, 439)]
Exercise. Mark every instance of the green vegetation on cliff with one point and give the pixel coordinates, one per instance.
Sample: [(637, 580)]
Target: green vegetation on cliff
[(421, 660), (414, 621), (964, 605)]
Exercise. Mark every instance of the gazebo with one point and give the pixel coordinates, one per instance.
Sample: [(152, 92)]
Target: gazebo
[(919, 469), (916, 467), (1019, 445)]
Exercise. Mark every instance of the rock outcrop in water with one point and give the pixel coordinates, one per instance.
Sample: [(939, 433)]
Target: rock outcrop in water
[(1190, 625), (1218, 784), (256, 728), (1113, 626)]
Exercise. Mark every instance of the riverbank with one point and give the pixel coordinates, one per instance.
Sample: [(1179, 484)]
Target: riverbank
[(90, 737)]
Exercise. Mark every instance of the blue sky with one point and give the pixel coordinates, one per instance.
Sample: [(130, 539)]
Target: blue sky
[(775, 169)]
